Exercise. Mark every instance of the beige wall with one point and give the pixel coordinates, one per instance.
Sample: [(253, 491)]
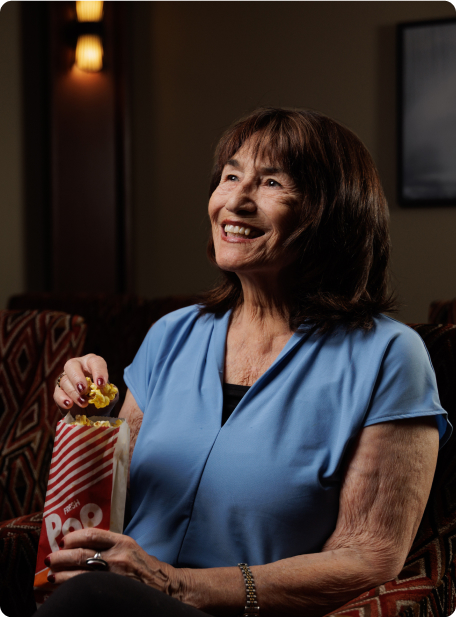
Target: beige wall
[(200, 65), (11, 195)]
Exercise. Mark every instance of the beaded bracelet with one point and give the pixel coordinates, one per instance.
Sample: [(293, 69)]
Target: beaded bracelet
[(251, 606)]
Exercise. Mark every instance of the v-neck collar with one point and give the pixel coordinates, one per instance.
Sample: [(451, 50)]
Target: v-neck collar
[(221, 324)]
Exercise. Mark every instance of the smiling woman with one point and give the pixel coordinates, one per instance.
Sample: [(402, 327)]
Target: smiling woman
[(260, 200), (338, 237), (276, 423)]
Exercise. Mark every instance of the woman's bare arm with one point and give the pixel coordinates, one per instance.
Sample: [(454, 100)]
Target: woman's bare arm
[(387, 482), (134, 416)]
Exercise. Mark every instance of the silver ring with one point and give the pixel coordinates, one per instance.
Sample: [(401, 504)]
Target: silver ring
[(97, 562)]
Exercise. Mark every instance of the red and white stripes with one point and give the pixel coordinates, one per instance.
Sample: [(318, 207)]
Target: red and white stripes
[(82, 456)]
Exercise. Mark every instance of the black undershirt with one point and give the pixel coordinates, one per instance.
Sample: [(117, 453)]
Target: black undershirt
[(232, 395)]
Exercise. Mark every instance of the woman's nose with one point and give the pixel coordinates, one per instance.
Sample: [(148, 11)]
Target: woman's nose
[(241, 199)]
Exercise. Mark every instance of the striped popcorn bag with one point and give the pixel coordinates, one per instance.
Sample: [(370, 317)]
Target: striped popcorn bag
[(86, 488)]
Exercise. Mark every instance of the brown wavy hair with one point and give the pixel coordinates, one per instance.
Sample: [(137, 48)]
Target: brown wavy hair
[(341, 241)]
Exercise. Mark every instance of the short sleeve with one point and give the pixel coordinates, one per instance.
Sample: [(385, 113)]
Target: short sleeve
[(406, 385), (140, 374)]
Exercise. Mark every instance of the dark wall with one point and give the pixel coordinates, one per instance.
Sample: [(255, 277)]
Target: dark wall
[(200, 65)]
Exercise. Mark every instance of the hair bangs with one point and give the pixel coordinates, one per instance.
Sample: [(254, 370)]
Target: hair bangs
[(272, 138)]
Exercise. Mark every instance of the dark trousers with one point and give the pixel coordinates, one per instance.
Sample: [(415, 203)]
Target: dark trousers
[(103, 593)]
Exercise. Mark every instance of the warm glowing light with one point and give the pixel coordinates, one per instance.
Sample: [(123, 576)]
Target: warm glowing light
[(89, 11), (89, 53)]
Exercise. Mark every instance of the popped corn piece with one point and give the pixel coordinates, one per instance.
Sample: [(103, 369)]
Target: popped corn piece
[(101, 397), (82, 421), (106, 423), (85, 421)]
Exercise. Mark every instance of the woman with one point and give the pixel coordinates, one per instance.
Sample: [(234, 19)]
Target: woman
[(319, 477)]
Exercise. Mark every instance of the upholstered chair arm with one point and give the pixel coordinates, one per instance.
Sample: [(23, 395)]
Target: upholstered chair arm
[(18, 549)]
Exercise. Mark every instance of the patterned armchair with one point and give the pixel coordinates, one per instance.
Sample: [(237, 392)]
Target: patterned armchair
[(34, 345)]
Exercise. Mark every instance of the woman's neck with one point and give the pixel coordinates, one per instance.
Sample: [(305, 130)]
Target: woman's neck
[(264, 309), (265, 298)]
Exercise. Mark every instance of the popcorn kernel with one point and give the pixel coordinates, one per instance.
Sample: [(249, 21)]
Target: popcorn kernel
[(85, 421), (101, 397)]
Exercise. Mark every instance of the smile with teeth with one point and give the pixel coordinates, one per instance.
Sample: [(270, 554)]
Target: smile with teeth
[(235, 230)]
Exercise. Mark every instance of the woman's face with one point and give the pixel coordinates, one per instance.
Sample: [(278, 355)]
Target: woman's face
[(252, 212)]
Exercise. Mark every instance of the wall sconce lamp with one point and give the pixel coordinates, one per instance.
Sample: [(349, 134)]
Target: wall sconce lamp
[(89, 32)]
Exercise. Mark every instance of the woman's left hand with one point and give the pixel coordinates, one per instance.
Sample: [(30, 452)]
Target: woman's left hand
[(122, 554)]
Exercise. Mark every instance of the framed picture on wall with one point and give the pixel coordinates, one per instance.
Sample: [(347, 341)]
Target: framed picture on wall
[(427, 113)]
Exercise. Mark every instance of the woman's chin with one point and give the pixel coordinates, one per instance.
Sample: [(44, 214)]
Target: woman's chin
[(230, 263), (247, 272), (229, 267)]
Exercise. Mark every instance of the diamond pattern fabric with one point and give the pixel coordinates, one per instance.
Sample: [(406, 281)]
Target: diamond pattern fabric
[(34, 346)]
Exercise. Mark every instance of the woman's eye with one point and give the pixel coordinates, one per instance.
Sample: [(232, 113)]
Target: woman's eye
[(272, 183), (231, 177)]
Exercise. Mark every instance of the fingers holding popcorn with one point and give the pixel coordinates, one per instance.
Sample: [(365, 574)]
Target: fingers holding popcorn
[(75, 373), (65, 394), (79, 368), (84, 381), (95, 367)]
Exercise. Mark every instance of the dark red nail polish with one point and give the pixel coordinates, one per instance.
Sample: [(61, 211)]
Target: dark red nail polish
[(66, 403), (47, 561), (81, 387), (100, 382), (82, 400), (62, 543), (51, 578)]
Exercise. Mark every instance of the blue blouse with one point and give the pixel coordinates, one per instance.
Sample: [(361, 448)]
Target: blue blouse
[(266, 485)]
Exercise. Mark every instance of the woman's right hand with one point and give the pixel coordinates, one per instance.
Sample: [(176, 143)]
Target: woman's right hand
[(73, 384)]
